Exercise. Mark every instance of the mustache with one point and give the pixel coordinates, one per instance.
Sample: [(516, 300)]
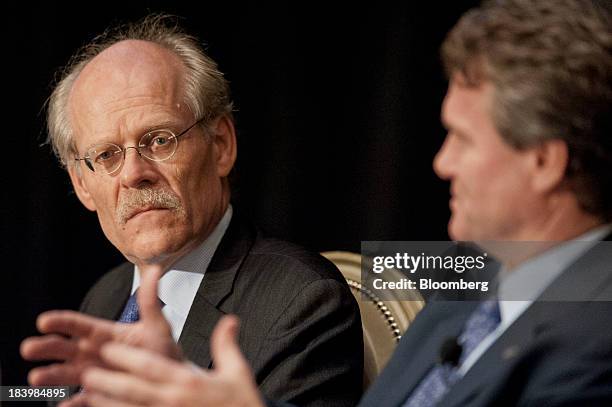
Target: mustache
[(137, 200)]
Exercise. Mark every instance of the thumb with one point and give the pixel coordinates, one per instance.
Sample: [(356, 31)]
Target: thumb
[(224, 348), (148, 302)]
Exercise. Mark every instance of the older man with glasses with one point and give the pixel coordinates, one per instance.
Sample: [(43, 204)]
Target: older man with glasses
[(142, 120)]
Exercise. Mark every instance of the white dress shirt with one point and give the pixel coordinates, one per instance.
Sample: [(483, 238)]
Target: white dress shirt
[(179, 285), (519, 288)]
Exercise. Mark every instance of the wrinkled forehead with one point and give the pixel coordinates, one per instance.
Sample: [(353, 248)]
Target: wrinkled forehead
[(129, 74)]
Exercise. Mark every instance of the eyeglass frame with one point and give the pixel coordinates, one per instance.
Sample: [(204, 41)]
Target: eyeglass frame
[(90, 165)]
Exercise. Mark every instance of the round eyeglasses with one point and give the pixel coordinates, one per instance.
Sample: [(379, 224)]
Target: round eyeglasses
[(156, 145)]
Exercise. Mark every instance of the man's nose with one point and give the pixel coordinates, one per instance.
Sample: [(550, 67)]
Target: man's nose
[(137, 169), (442, 163)]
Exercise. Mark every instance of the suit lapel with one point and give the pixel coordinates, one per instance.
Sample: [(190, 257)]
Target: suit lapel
[(417, 353), (425, 360), (216, 288)]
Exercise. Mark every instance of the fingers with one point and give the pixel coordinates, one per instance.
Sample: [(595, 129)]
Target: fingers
[(224, 348), (73, 323), (48, 347), (120, 386), (57, 374), (148, 302), (142, 363), (231, 367)]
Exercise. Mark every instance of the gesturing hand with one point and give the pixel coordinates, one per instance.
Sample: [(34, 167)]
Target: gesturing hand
[(74, 339), (144, 378)]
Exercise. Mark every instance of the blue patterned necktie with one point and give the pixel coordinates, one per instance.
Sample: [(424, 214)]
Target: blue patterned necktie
[(483, 320), (130, 313)]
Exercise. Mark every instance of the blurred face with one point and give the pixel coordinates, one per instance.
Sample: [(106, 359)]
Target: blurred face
[(491, 195), (151, 211)]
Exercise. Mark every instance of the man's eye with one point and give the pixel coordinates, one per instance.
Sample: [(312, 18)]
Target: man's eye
[(160, 140), (105, 155)]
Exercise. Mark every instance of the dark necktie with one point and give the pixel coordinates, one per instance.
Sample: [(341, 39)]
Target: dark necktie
[(130, 313), (483, 320)]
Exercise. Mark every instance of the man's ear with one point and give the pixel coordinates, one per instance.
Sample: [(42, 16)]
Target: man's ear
[(225, 145), (80, 188), (551, 159)]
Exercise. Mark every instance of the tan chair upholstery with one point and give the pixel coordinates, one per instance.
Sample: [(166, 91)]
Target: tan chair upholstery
[(383, 322)]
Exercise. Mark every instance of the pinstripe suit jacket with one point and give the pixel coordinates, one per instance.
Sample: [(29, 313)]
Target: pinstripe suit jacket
[(300, 325)]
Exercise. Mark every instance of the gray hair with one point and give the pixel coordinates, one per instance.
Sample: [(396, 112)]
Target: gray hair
[(207, 92)]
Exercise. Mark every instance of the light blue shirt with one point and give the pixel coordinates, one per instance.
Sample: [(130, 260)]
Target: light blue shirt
[(519, 288), (179, 285)]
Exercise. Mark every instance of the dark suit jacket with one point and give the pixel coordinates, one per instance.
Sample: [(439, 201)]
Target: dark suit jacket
[(558, 353), (300, 325)]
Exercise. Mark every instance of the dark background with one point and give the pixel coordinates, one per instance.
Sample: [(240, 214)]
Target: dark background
[(338, 119)]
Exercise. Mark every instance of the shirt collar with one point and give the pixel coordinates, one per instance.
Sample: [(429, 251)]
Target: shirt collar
[(520, 287), (179, 285)]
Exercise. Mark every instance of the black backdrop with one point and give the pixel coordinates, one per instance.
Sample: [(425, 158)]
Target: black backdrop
[(338, 119)]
